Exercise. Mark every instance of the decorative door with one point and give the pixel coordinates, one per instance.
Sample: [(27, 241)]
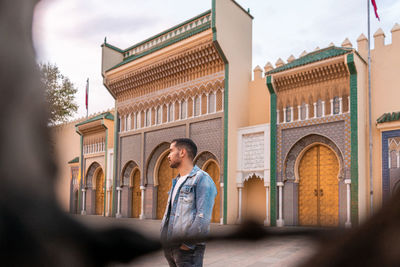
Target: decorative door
[(318, 187), (213, 170), (136, 194), (165, 176), (100, 193)]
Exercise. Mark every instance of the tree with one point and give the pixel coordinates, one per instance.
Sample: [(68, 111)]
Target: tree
[(60, 93)]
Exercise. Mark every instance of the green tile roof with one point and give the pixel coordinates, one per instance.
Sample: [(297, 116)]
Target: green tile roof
[(105, 115), (388, 117), (74, 160), (315, 56)]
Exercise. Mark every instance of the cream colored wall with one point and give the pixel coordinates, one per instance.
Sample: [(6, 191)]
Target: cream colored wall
[(67, 146), (385, 80), (234, 35), (109, 58), (110, 125), (362, 113), (259, 99)]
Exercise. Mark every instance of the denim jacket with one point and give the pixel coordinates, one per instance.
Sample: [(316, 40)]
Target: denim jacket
[(190, 215)]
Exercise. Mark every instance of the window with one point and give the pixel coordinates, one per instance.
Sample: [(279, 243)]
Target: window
[(211, 102), (336, 105), (158, 115), (288, 114), (148, 118), (183, 109), (170, 112), (196, 107)]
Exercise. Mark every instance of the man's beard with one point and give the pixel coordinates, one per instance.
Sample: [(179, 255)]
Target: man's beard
[(174, 164)]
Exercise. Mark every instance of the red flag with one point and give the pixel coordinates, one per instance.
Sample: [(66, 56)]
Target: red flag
[(87, 94), (375, 9)]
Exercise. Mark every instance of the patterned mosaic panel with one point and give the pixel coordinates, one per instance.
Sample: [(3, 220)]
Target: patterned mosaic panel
[(337, 128)]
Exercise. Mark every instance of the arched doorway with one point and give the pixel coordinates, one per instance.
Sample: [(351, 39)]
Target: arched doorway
[(212, 168), (165, 174), (254, 199), (319, 187), (99, 202), (136, 193)]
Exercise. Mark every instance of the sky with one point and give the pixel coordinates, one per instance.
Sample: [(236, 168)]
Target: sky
[(69, 33)]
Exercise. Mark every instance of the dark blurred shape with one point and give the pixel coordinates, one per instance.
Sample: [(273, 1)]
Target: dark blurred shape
[(33, 229)]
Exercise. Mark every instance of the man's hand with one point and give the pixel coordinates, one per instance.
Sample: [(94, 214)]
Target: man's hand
[(184, 247)]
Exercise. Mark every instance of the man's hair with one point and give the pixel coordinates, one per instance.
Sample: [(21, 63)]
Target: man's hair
[(187, 144)]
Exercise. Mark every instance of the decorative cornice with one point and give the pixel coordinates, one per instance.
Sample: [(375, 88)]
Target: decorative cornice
[(186, 65), (314, 75)]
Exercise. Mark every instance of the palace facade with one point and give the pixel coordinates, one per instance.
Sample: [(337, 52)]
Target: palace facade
[(288, 147)]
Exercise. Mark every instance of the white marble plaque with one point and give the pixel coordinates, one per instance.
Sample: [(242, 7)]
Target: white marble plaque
[(253, 151)]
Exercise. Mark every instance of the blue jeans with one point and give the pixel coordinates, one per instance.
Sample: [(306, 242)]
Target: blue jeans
[(177, 257)]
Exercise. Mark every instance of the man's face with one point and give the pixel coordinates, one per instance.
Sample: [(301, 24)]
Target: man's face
[(174, 157)]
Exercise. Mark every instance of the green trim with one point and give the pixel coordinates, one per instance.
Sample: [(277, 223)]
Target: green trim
[(174, 40), (105, 172), (388, 117), (226, 104), (105, 115), (213, 22), (116, 127), (113, 47), (80, 204), (319, 55), (74, 160), (354, 138), (273, 152)]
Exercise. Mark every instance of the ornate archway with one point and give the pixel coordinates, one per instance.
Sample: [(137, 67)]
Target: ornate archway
[(318, 186), (254, 205)]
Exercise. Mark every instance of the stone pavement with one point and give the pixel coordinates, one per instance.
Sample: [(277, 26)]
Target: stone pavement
[(288, 251)]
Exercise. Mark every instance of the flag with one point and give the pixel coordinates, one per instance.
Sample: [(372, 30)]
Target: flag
[(375, 9), (87, 95)]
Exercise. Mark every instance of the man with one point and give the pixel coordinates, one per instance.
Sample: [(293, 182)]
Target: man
[(189, 207)]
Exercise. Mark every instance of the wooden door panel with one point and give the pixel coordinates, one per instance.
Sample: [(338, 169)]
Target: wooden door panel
[(308, 201), (99, 193), (213, 170), (136, 195), (165, 176)]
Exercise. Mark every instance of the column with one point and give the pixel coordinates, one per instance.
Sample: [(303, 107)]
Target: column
[(180, 110), (323, 108), (280, 221), (141, 216), (240, 187), (340, 105), (284, 115), (315, 109), (398, 159), (307, 112), (348, 219), (291, 114), (331, 101), (223, 97), (83, 212), (277, 116), (221, 221), (118, 215), (299, 113), (267, 220), (193, 106)]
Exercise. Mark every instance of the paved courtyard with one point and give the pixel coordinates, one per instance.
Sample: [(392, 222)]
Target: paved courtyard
[(273, 252)]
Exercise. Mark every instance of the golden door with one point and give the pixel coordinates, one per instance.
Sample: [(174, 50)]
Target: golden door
[(318, 187), (165, 176), (99, 193), (213, 170), (254, 200), (136, 194)]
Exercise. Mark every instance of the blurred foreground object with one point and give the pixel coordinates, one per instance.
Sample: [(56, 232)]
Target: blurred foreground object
[(33, 229)]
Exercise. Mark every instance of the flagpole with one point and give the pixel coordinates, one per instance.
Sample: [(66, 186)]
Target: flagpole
[(87, 98), (369, 116)]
